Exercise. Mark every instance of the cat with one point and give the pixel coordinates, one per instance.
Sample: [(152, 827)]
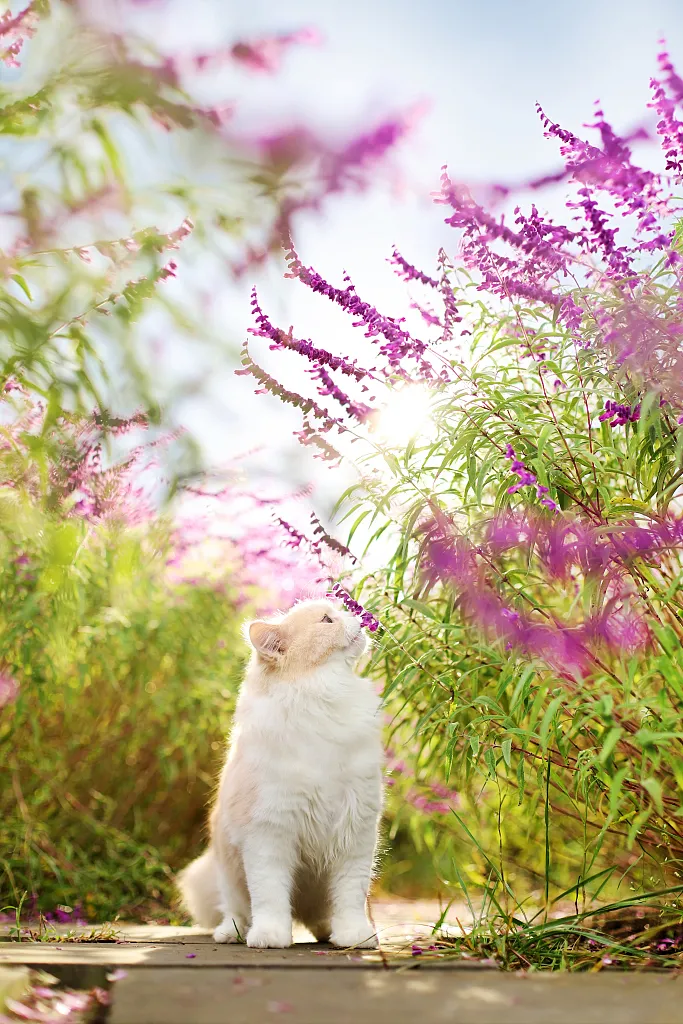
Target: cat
[(294, 826)]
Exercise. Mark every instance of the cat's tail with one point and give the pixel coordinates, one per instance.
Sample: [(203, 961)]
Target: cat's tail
[(198, 884)]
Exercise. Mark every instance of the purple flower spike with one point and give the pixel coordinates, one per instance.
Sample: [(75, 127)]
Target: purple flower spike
[(367, 620), (410, 273)]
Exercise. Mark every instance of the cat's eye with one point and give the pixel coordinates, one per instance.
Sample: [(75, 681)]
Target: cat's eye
[(326, 618)]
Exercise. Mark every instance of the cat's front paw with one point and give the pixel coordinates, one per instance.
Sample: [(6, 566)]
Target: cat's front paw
[(227, 932), (270, 934), (353, 933)]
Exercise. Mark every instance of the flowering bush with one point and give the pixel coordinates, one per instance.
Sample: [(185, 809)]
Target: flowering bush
[(523, 544)]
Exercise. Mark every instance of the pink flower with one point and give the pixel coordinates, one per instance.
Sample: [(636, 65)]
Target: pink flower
[(265, 54), (9, 689)]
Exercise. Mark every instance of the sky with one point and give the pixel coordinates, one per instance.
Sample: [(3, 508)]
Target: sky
[(479, 68)]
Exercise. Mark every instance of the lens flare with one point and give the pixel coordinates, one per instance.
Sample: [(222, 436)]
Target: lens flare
[(405, 417)]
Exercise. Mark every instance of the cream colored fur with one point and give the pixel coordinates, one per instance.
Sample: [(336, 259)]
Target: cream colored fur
[(294, 826)]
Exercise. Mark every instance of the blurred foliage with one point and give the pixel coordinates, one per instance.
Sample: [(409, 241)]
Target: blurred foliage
[(117, 672), (102, 138), (111, 746), (116, 681)]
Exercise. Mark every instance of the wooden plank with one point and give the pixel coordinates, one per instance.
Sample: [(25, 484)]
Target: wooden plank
[(189, 954), (174, 996)]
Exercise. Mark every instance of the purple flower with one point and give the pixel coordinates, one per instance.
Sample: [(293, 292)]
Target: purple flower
[(618, 415), (358, 410), (427, 316), (527, 479), (535, 251), (335, 545), (647, 344), (408, 272), (398, 343), (282, 340), (669, 128), (342, 168), (269, 384), (367, 620), (21, 25)]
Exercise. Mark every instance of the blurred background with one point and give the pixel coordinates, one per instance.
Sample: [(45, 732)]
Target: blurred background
[(151, 152)]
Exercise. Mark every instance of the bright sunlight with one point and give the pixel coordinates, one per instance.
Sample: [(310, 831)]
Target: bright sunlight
[(406, 416)]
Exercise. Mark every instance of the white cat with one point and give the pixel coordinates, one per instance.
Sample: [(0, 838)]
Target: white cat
[(294, 826)]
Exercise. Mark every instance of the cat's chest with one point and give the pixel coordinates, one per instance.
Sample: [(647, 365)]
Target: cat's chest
[(325, 749), (323, 788), (319, 751)]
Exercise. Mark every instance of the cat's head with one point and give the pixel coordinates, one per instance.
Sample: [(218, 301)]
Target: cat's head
[(311, 634)]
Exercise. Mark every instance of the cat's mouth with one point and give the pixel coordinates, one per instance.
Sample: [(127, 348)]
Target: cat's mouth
[(356, 637)]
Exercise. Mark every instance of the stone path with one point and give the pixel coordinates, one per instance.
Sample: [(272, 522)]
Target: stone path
[(180, 976)]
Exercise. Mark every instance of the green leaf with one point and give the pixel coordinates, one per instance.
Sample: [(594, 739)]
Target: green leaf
[(615, 790), (490, 759), (610, 743), (520, 778), (654, 788), (21, 281), (548, 717)]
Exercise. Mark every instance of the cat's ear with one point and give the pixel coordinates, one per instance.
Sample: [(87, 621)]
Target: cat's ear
[(266, 638)]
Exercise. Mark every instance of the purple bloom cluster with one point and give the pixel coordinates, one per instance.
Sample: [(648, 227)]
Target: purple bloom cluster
[(398, 343), (367, 619), (669, 127), (328, 387), (527, 479), (295, 539), (309, 437), (451, 313), (334, 545), (269, 384), (618, 415), (408, 272), (634, 190), (342, 169), (533, 257), (429, 318), (569, 544), (280, 339), (567, 649), (648, 343), (79, 484)]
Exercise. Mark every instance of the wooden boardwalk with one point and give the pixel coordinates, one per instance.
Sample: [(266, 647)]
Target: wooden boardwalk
[(180, 976)]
